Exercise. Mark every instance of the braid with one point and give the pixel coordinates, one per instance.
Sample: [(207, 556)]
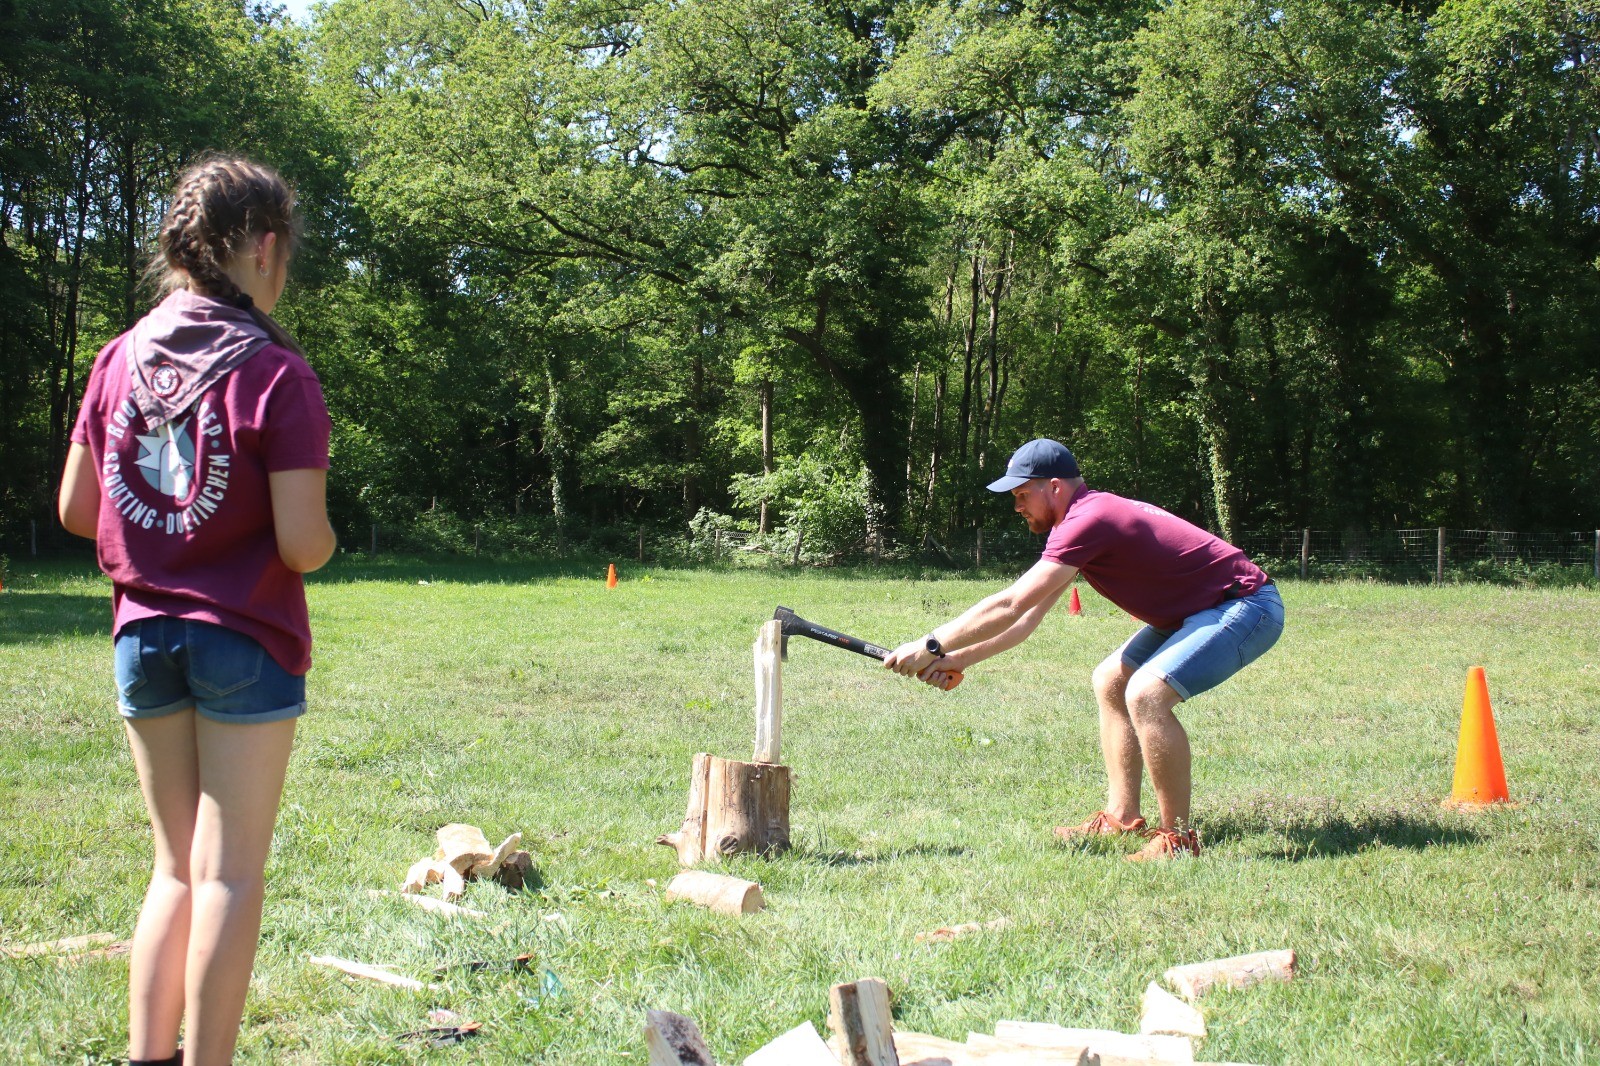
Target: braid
[(219, 205)]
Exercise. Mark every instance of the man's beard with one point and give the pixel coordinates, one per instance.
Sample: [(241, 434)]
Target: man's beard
[(1039, 525)]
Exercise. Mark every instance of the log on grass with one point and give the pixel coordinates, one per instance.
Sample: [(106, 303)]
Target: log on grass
[(920, 1049), (725, 895), (1107, 1046), (863, 1032), (674, 1040), (1164, 1014), (769, 692), (1241, 971), (734, 807), (800, 1046)]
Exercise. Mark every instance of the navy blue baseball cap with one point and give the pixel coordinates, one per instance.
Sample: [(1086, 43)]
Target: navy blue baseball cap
[(1037, 458)]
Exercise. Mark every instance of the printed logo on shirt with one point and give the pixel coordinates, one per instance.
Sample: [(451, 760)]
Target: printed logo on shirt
[(165, 381), (186, 491)]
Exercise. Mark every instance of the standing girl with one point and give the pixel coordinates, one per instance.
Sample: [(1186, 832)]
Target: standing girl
[(199, 466)]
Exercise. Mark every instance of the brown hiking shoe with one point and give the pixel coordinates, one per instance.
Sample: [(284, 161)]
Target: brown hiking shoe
[(1102, 824), (1168, 844)]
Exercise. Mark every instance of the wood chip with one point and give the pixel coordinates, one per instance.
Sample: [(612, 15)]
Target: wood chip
[(371, 973), (428, 903), (952, 932), (800, 1046), (1109, 1046), (71, 945), (462, 846), (1165, 1014)]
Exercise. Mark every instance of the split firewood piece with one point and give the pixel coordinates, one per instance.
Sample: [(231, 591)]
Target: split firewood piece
[(1241, 971), (863, 1031), (462, 846), (674, 1040), (1164, 1014), (800, 1046), (514, 871), (423, 872), (985, 1050), (951, 932), (734, 807), (769, 692), (455, 886), (491, 867), (723, 894), (920, 1049), (1109, 1046), (371, 973), (70, 945), (428, 903)]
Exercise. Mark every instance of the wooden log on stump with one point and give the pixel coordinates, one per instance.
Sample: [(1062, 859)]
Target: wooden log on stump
[(1241, 971), (725, 895), (863, 1031), (734, 807), (674, 1040), (769, 692)]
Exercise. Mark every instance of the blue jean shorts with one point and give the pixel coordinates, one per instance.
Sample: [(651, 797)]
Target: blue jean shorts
[(166, 665), (1212, 645)]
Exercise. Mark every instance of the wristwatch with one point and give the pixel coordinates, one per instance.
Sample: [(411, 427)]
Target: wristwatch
[(934, 647)]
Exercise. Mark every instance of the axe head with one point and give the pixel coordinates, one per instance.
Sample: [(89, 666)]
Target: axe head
[(787, 617)]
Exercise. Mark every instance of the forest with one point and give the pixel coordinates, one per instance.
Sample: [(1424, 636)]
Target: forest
[(808, 270)]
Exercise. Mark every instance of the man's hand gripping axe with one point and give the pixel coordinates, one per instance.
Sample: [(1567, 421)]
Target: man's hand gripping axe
[(794, 625)]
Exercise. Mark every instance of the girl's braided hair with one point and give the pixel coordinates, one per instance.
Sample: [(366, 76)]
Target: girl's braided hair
[(218, 205)]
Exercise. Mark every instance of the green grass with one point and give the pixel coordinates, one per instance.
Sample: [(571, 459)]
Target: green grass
[(521, 698)]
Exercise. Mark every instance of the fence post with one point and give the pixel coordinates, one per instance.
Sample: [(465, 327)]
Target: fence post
[(641, 544), (1305, 552), (1438, 566), (980, 545), (374, 539), (1597, 555), (33, 537), (477, 532)]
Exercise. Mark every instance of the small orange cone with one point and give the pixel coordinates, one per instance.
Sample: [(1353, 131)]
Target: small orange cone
[(1074, 605), (1480, 775), (611, 575)]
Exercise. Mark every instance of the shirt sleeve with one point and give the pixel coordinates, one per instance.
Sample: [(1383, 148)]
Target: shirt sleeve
[(297, 428), (88, 410)]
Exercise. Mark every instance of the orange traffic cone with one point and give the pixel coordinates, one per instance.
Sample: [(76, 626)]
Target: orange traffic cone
[(1074, 605), (611, 575), (1480, 775)]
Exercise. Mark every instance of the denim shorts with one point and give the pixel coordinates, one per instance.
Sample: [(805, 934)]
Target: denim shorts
[(166, 665), (1212, 645)]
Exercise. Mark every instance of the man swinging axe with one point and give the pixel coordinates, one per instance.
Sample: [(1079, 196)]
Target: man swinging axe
[(1207, 611)]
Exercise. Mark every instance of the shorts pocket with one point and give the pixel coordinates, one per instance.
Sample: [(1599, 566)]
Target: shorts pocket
[(222, 661), (128, 662), (1265, 634)]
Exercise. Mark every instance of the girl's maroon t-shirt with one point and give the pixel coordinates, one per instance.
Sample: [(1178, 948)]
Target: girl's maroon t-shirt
[(186, 512), (1152, 564)]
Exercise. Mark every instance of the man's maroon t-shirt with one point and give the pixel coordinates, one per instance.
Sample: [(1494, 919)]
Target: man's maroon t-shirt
[(185, 510), (1152, 564)]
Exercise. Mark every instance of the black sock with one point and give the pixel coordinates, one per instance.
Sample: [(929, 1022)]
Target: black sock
[(175, 1060)]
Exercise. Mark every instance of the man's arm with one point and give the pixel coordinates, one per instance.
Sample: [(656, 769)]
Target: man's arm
[(984, 629)]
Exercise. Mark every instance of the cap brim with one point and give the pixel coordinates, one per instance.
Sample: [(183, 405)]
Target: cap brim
[(1006, 484)]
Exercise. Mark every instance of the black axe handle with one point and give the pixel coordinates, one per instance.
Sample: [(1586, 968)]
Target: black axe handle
[(794, 625)]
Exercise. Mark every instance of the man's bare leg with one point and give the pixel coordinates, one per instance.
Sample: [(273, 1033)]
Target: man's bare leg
[(1119, 740), (1163, 742)]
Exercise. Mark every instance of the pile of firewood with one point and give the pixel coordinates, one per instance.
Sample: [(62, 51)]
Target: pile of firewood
[(864, 1035), (464, 855)]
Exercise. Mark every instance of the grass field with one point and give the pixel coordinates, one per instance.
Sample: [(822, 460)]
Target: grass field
[(532, 699)]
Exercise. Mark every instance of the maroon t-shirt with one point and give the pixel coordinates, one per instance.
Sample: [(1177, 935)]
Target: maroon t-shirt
[(185, 510), (1152, 564)]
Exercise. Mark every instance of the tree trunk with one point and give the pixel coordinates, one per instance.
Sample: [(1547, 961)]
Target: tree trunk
[(765, 525)]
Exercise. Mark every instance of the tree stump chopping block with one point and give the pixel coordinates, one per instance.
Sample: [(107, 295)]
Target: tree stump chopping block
[(734, 807)]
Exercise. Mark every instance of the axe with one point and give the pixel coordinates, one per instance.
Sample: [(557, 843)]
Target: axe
[(794, 625)]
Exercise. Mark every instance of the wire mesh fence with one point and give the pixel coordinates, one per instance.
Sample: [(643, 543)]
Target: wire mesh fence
[(1432, 554)]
